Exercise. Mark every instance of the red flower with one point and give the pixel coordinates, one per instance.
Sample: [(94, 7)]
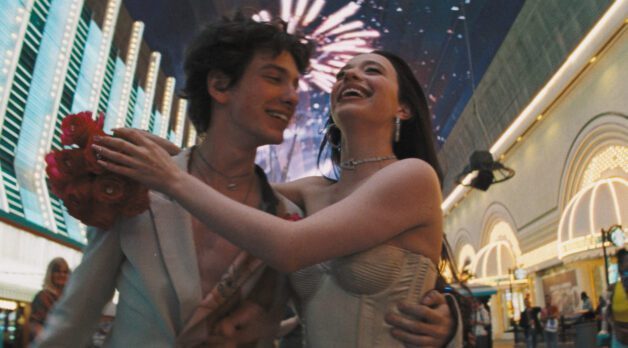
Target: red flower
[(52, 166), (109, 188), (78, 197), (71, 162), (91, 194), (102, 215), (137, 201), (293, 217), (79, 128)]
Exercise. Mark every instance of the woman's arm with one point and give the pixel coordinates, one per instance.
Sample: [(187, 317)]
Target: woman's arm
[(293, 191), (399, 197)]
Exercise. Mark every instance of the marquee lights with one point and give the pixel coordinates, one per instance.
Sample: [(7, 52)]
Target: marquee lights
[(111, 15), (166, 106)]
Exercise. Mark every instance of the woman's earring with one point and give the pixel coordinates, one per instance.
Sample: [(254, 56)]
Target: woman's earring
[(397, 129), (330, 137)]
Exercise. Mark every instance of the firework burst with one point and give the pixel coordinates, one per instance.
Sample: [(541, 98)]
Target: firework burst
[(337, 40)]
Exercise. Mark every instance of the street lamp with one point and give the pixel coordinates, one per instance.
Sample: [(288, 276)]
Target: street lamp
[(616, 235)]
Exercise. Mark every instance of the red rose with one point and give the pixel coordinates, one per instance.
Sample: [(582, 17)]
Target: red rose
[(79, 128), (61, 167), (110, 188), (102, 215), (66, 163), (52, 167), (293, 217), (78, 197), (137, 201)]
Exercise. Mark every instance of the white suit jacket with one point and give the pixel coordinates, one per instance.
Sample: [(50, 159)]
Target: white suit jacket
[(151, 260)]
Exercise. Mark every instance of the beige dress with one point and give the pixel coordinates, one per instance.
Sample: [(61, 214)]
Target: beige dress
[(342, 302)]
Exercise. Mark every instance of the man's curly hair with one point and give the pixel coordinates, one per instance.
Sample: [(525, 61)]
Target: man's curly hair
[(228, 46)]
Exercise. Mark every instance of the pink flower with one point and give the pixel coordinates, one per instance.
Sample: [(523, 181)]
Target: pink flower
[(79, 128)]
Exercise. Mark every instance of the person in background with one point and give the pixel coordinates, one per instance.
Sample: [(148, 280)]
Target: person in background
[(54, 281), (617, 313), (530, 322), (587, 306), (549, 318), (599, 311), (480, 320)]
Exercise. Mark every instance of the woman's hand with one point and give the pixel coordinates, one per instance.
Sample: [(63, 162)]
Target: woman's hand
[(165, 144), (131, 153)]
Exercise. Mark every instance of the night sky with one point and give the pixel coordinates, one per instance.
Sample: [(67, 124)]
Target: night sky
[(441, 39)]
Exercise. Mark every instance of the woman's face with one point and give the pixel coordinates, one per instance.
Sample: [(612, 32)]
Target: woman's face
[(366, 88), (60, 273)]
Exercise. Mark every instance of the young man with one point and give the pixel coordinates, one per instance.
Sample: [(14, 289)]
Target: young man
[(176, 278)]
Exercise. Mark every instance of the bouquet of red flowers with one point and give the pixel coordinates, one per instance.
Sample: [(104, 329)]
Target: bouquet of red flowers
[(91, 193)]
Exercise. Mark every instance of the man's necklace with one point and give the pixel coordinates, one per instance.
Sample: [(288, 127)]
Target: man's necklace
[(231, 184), (351, 164)]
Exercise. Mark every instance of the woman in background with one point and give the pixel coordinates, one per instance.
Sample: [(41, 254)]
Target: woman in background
[(56, 276)]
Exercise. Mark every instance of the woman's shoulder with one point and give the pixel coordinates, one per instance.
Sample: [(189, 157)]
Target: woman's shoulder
[(413, 166), (410, 173)]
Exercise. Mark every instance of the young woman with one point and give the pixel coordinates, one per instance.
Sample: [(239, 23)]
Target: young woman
[(370, 239), (56, 276)]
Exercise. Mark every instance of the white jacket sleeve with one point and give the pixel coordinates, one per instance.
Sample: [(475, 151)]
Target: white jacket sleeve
[(73, 319)]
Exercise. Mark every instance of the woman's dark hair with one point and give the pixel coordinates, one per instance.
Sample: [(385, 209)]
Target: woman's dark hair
[(416, 138), (228, 46)]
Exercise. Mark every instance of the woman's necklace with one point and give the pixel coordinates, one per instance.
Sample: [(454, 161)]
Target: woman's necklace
[(351, 164), (231, 184)]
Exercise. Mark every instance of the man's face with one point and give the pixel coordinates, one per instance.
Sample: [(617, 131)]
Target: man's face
[(263, 102)]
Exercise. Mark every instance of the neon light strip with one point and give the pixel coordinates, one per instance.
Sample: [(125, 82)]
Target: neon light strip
[(111, 16), (166, 106), (151, 83)]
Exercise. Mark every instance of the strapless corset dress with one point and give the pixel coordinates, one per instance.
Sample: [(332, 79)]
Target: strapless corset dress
[(342, 302)]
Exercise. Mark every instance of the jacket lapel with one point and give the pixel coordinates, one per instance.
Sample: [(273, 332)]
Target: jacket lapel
[(175, 238)]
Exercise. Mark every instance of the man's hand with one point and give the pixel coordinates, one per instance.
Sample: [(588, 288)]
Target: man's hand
[(429, 324), (248, 323)]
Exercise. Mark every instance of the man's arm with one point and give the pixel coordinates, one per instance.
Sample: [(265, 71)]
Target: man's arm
[(435, 322), (72, 320)]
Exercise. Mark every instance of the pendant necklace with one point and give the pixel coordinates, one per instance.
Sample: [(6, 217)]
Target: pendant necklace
[(352, 164), (231, 184)]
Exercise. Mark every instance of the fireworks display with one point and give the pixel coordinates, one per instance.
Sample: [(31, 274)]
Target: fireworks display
[(337, 38)]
